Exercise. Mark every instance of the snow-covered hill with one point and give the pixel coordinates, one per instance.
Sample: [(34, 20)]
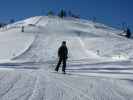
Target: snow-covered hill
[(99, 62), (93, 40)]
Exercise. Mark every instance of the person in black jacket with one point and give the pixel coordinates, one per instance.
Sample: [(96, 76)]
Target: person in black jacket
[(62, 54)]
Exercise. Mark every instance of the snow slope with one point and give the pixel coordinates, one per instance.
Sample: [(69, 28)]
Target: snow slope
[(13, 43), (99, 65), (50, 32), (41, 85)]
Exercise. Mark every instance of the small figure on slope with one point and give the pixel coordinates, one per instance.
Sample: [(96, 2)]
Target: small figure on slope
[(62, 54), (22, 29)]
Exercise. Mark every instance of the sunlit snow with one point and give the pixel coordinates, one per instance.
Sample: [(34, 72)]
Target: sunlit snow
[(99, 65)]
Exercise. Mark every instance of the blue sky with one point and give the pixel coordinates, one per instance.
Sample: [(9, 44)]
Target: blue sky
[(110, 12)]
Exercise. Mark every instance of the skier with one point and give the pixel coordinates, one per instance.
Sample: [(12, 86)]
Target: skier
[(62, 54), (22, 29)]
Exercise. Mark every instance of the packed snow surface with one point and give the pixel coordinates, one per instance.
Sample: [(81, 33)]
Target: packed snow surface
[(99, 65)]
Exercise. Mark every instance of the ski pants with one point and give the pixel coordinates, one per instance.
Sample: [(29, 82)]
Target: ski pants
[(61, 60)]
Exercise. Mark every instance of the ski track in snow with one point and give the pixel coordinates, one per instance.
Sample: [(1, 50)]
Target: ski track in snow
[(56, 86)]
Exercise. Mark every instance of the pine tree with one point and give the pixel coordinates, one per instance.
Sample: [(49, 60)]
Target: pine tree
[(50, 13), (62, 13), (128, 33), (12, 21)]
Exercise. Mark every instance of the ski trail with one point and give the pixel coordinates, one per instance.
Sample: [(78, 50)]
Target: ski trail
[(38, 20), (42, 85), (30, 50), (35, 37), (21, 86), (35, 91), (76, 90), (62, 89), (91, 89), (25, 50), (9, 85), (89, 53)]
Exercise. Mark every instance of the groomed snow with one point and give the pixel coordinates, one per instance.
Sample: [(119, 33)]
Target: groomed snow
[(99, 63), (13, 42)]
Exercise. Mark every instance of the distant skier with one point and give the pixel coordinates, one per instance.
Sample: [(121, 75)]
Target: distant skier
[(22, 29), (62, 54)]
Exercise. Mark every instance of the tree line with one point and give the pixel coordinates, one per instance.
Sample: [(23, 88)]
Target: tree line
[(63, 13), (2, 24)]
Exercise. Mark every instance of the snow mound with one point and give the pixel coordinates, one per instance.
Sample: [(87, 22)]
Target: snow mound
[(85, 39), (13, 42)]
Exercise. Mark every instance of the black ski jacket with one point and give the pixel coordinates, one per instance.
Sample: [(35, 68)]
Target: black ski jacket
[(63, 52)]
